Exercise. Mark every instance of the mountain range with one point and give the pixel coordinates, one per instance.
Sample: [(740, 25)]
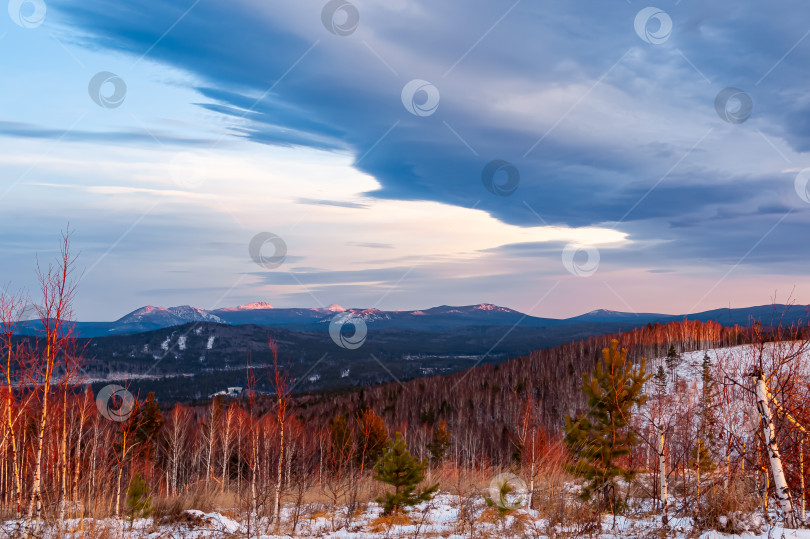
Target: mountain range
[(440, 318), (185, 353)]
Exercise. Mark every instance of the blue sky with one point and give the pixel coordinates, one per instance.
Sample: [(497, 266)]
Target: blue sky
[(617, 180)]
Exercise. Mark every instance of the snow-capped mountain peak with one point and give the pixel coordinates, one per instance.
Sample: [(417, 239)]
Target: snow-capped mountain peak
[(490, 307), (193, 314), (162, 316), (604, 312)]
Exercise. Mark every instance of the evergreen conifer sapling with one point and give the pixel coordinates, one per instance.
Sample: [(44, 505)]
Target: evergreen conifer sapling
[(601, 437), (404, 472)]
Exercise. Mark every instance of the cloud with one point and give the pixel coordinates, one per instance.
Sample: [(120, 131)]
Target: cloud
[(336, 203), (26, 130)]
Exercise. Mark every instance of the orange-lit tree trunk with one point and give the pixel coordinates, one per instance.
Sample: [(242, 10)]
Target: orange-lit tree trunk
[(70, 363), (254, 444), (281, 383), (84, 412), (54, 313), (10, 313)]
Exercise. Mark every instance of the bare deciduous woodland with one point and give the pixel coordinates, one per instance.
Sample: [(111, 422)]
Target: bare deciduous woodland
[(720, 436)]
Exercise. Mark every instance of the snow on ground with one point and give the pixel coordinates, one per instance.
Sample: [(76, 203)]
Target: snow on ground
[(210, 344), (442, 517), (181, 342)]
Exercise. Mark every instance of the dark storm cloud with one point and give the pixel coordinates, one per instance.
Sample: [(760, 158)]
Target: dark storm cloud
[(603, 128)]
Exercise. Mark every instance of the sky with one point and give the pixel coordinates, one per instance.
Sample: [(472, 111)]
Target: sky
[(553, 157)]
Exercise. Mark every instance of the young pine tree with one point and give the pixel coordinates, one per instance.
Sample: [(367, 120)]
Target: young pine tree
[(139, 502), (404, 472), (661, 380), (702, 453), (673, 360), (147, 422), (440, 443), (601, 436)]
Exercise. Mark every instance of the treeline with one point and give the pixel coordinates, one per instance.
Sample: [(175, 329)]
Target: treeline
[(484, 405)]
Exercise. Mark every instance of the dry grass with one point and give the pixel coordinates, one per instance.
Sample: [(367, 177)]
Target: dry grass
[(727, 508), (172, 509), (385, 522)]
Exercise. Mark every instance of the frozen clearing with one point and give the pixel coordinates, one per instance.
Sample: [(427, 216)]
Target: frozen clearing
[(440, 518)]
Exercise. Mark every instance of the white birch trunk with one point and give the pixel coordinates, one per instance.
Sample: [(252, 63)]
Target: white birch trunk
[(277, 504), (662, 472), (211, 435), (801, 474), (769, 430)]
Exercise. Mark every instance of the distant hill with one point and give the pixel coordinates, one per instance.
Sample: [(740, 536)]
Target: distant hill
[(200, 352), (195, 360), (744, 316)]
